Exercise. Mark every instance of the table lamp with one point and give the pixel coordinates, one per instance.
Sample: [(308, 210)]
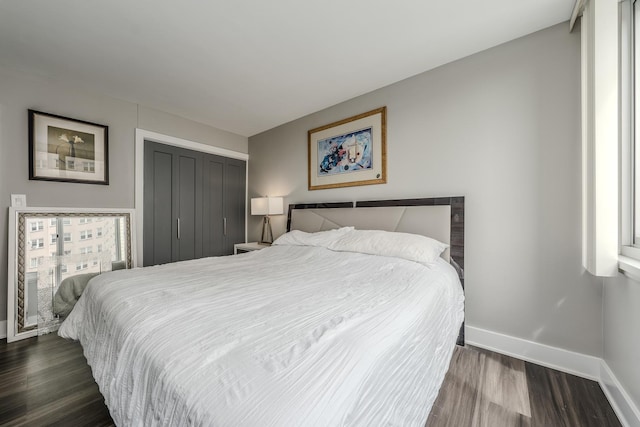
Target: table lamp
[(267, 206)]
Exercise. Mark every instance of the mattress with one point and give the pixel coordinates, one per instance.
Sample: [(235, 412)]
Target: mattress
[(284, 336)]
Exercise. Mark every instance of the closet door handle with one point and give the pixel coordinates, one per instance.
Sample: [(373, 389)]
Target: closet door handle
[(224, 226), (178, 228)]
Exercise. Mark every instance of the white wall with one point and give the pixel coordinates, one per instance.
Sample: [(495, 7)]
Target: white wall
[(19, 92), (502, 128)]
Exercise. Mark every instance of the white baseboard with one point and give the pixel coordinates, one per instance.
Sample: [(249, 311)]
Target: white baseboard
[(552, 357), (3, 329), (590, 367), (625, 408)]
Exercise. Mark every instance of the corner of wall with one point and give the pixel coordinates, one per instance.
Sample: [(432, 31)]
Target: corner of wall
[(571, 362), (623, 405), (582, 365)]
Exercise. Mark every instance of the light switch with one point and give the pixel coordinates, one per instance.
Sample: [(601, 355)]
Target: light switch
[(19, 200)]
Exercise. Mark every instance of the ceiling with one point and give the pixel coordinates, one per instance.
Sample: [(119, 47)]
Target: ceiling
[(247, 66)]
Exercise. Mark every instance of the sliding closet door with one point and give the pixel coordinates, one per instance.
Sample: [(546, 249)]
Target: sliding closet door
[(172, 204), (225, 206), (234, 203), (188, 206), (194, 204), (158, 204), (213, 226)]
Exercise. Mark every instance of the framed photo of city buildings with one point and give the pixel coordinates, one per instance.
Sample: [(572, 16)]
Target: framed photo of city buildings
[(64, 149)]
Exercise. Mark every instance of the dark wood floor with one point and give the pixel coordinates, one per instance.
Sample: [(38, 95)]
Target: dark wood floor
[(483, 388), (46, 381)]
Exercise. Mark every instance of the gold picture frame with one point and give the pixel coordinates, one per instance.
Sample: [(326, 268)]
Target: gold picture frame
[(349, 152)]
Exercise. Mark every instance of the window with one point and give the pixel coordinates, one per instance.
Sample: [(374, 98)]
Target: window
[(37, 225), (99, 248), (33, 263), (54, 239), (99, 232), (63, 268), (86, 234), (66, 221), (37, 243), (82, 265), (67, 252), (86, 250), (52, 222), (634, 111), (66, 237), (630, 137), (629, 120)]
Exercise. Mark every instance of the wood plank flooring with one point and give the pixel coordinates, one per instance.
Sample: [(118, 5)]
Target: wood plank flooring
[(483, 388), (45, 381)]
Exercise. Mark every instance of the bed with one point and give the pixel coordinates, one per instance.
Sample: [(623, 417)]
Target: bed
[(293, 334)]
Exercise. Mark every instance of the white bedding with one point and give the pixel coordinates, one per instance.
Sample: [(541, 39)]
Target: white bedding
[(285, 336)]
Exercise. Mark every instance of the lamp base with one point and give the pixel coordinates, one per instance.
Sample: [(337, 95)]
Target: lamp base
[(267, 234)]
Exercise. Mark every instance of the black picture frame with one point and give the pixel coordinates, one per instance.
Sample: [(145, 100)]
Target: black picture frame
[(67, 150)]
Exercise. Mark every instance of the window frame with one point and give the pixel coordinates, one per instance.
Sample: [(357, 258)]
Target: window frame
[(629, 258), (37, 243)]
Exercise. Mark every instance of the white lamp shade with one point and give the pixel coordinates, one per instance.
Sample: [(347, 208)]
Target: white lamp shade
[(267, 206)]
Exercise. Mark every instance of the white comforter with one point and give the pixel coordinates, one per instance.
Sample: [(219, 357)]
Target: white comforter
[(285, 336)]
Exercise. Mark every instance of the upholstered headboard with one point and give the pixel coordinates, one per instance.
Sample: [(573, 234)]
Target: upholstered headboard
[(432, 221), (441, 218)]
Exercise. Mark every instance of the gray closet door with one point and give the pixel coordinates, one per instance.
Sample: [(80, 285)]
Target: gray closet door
[(172, 204), (189, 206), (225, 204), (194, 204), (213, 226), (234, 203), (158, 204)]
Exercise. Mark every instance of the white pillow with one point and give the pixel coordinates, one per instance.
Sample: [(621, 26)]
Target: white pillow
[(302, 238), (412, 247)]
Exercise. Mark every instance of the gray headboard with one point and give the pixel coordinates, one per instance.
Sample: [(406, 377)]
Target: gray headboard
[(441, 218)]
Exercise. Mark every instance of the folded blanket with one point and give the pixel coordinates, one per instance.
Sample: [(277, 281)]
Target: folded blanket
[(69, 291)]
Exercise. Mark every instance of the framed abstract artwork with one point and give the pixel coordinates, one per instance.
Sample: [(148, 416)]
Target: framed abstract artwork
[(63, 149), (349, 152)]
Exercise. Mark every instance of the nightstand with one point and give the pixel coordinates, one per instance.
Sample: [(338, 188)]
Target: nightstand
[(240, 248)]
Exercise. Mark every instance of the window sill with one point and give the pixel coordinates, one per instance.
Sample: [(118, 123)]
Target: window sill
[(630, 267)]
